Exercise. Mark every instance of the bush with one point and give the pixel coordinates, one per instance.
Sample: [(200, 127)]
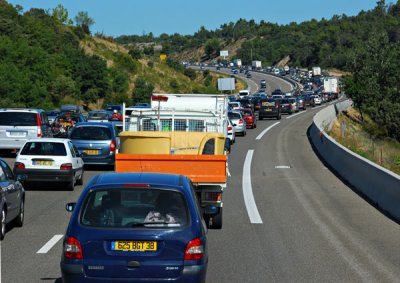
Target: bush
[(150, 64), (190, 73), (174, 84)]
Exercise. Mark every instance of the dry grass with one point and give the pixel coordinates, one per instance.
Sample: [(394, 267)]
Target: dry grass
[(349, 131)]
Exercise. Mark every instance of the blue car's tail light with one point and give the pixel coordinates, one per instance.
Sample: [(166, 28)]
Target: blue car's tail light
[(73, 248), (194, 250)]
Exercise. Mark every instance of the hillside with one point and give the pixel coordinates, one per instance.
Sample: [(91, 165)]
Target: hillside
[(45, 61)]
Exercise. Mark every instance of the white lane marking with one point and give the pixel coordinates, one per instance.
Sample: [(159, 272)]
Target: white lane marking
[(282, 167), (248, 196), (50, 244), (294, 115), (259, 137)]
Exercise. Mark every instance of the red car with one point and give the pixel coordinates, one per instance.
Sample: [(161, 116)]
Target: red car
[(249, 117)]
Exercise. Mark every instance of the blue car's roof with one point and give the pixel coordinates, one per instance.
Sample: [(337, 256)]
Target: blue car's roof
[(152, 179), (96, 124)]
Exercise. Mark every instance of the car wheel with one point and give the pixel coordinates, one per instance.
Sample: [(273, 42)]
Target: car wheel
[(3, 224), (215, 222), (71, 186), (279, 117), (255, 126), (80, 180), (19, 221), (244, 133)]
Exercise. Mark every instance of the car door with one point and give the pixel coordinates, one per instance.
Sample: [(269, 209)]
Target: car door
[(7, 184), (77, 163)]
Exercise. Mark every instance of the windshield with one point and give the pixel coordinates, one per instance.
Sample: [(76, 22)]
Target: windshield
[(91, 133), (135, 207), (98, 116), (18, 119), (44, 148)]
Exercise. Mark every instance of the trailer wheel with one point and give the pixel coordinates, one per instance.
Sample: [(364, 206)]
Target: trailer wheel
[(215, 222)]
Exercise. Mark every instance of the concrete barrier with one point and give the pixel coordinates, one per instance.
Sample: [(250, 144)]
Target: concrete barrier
[(379, 185)]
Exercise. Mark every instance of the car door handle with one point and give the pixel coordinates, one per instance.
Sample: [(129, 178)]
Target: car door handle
[(133, 264)]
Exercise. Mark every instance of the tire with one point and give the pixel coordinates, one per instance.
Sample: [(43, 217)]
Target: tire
[(19, 221), (71, 186), (278, 117), (260, 118), (3, 223), (255, 126), (215, 222), (80, 180), (244, 133)]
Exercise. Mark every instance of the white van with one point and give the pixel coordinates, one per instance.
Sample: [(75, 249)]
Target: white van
[(19, 125), (244, 93)]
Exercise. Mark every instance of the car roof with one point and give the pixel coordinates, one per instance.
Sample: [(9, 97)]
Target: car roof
[(48, 140), (146, 178), (22, 110), (96, 124)]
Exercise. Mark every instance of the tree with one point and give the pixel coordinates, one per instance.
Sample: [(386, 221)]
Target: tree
[(60, 14), (143, 90), (83, 21), (212, 46)]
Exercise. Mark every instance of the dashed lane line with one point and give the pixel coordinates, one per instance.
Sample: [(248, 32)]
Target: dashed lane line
[(259, 137), (51, 243)]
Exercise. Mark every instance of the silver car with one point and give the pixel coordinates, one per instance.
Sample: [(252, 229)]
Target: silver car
[(238, 122)]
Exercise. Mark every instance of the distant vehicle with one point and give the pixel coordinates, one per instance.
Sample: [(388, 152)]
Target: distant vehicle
[(277, 71), (141, 105), (317, 100), (71, 108), (234, 105), (96, 142), (52, 114), (316, 71), (244, 93), (98, 116), (300, 102), (278, 92), (256, 65), (249, 117), (12, 198), (295, 105), (238, 122), (286, 106), (19, 125), (263, 83), (50, 161), (246, 103), (111, 107), (141, 226), (248, 75), (63, 124), (270, 108)]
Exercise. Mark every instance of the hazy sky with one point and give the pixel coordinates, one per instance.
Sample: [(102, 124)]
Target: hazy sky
[(118, 17)]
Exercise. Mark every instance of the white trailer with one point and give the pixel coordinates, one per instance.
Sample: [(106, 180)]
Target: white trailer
[(256, 65), (331, 85), (316, 71), (180, 112)]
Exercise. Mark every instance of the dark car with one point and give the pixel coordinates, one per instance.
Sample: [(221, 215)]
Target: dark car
[(135, 227), (270, 108), (12, 198), (263, 84), (97, 142), (277, 92), (301, 102), (286, 106), (248, 75), (98, 116), (63, 124)]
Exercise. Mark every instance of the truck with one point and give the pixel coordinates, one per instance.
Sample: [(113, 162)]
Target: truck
[(316, 71), (256, 65), (237, 63), (197, 155), (331, 85)]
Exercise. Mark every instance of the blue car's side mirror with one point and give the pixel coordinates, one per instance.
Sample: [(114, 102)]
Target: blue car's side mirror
[(70, 206)]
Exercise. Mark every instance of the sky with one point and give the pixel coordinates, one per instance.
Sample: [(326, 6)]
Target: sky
[(128, 17)]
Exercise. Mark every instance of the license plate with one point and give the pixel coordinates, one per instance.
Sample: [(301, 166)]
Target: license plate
[(143, 246), (268, 110), (43, 162), (17, 134), (91, 151)]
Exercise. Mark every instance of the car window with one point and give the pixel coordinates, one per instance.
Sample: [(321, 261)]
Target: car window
[(91, 133), (134, 208), (18, 119), (9, 174), (44, 148), (71, 149), (98, 116), (76, 150), (232, 115), (2, 175)]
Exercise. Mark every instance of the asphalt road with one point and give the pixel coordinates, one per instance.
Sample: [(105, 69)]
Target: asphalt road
[(311, 227)]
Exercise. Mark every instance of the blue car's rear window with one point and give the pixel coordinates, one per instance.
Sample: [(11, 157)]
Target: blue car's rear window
[(91, 133), (134, 208)]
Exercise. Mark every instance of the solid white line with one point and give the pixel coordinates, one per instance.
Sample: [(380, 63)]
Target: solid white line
[(259, 137), (294, 115), (248, 196), (50, 244)]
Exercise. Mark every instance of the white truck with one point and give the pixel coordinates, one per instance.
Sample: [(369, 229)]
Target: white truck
[(256, 65), (331, 85), (316, 71), (238, 63)]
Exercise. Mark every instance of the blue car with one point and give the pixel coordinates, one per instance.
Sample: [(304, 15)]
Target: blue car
[(97, 142), (135, 227)]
